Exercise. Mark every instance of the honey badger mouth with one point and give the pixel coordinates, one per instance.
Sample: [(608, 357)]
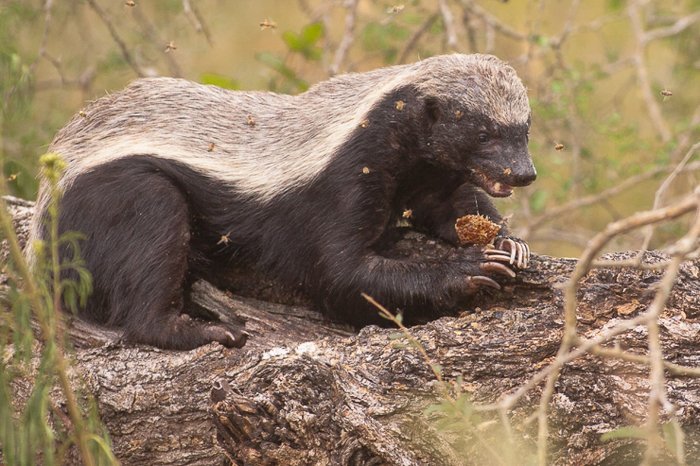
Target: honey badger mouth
[(492, 186)]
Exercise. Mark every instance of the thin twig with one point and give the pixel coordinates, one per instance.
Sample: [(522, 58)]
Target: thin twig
[(641, 68), (658, 197), (657, 392), (473, 8), (152, 34), (449, 23), (348, 37), (597, 243), (195, 19), (415, 37), (48, 6), (679, 26), (384, 312), (556, 212), (568, 28), (617, 353), (116, 37)]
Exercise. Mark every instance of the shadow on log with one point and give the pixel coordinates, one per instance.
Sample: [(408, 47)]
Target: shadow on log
[(306, 391)]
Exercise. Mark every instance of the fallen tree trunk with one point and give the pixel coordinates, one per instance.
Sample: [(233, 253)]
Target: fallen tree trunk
[(306, 391)]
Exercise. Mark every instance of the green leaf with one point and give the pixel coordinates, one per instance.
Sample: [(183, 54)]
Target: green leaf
[(311, 33), (538, 200), (384, 39), (673, 436), (219, 80), (305, 42), (292, 40), (542, 41), (435, 409), (277, 64), (624, 432), (616, 5)]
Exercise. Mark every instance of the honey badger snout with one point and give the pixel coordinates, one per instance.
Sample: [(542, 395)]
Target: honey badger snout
[(520, 171), (523, 176)]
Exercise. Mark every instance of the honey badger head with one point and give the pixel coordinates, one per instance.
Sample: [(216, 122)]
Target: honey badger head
[(478, 121)]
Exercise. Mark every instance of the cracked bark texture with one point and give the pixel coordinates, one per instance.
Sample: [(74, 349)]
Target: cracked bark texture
[(305, 391)]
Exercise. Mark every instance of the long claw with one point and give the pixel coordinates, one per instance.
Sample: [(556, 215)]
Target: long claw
[(517, 252), (497, 254), (497, 267), (521, 255), (513, 250), (480, 280), (527, 249), (500, 252), (503, 259), (510, 246), (527, 255)]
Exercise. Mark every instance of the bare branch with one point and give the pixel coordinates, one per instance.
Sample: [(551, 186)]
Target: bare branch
[(679, 26), (685, 137), (348, 37), (597, 243), (48, 5), (195, 19), (657, 120), (473, 8), (152, 34), (617, 353), (657, 393), (449, 24), (658, 197), (555, 212), (415, 37), (116, 37), (568, 25)]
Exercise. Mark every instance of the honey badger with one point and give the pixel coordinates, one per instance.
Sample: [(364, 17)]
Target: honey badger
[(168, 180)]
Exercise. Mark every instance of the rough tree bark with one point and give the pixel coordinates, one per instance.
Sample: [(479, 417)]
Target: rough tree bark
[(306, 391)]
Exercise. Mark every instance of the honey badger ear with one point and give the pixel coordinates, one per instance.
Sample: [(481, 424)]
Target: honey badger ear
[(432, 109)]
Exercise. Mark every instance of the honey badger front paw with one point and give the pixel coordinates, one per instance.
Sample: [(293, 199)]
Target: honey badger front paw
[(486, 270), (513, 251)]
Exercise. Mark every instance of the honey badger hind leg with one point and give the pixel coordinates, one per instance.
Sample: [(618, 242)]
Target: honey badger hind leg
[(136, 228)]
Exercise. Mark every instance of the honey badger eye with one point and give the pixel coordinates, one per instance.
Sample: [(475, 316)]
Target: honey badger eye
[(483, 138)]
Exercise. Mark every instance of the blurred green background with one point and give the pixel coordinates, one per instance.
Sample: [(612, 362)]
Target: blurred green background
[(614, 84)]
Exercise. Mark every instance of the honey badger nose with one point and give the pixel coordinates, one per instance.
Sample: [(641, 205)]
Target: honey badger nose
[(522, 171), (525, 177)]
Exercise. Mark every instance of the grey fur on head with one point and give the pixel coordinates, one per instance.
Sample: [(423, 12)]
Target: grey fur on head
[(483, 83)]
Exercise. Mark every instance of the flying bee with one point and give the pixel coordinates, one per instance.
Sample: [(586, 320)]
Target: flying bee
[(267, 24)]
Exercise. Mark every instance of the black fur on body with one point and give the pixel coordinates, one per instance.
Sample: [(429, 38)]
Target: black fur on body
[(170, 180)]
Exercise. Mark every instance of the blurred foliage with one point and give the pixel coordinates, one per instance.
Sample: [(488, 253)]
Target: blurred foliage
[(480, 437), (592, 123), (43, 418)]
